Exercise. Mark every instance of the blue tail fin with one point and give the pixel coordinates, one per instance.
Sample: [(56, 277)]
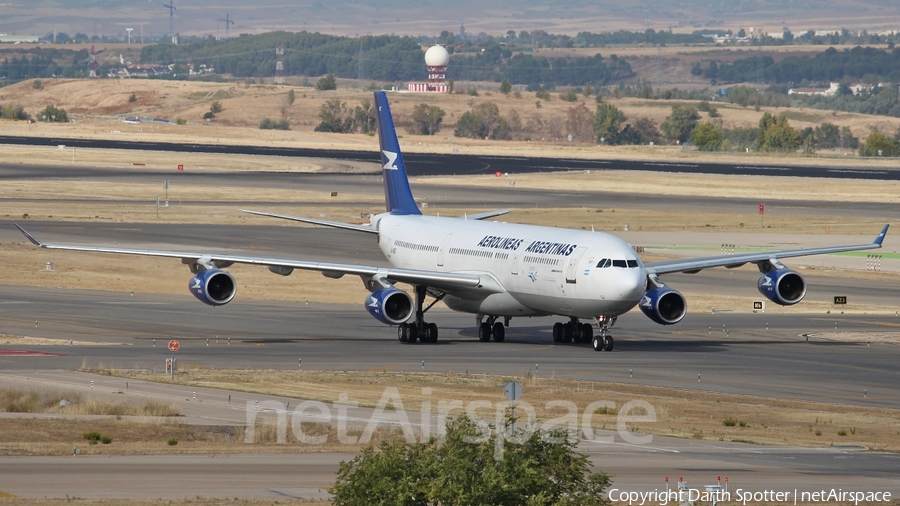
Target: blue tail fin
[(398, 196)]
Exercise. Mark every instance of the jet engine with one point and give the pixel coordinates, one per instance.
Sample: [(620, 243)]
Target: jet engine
[(213, 287), (782, 286), (390, 305), (663, 305)]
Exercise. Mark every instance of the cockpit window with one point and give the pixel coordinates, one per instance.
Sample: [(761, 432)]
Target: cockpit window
[(619, 263), (603, 263), (632, 263)]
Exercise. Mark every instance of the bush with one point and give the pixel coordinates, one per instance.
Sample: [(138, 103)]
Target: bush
[(542, 468), (53, 114), (173, 441), (425, 120), (326, 83), (570, 96), (730, 422), (270, 124), (37, 84), (132, 99), (106, 439), (181, 121), (93, 437)]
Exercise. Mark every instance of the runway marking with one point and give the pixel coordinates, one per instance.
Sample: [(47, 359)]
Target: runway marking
[(641, 447), (139, 303), (28, 353)]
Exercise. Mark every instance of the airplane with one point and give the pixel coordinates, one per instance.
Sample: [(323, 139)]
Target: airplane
[(496, 271)]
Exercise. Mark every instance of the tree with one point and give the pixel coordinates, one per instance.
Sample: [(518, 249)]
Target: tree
[(707, 137), (334, 116), (680, 124), (646, 130), (779, 135), (697, 70), (215, 107), (540, 468), (828, 135), (607, 121), (579, 123), (848, 140), (483, 121), (326, 83), (425, 120), (878, 144), (364, 117), (53, 114), (587, 90), (505, 87), (291, 97)]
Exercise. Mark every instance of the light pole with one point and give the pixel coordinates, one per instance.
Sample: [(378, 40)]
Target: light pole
[(129, 34)]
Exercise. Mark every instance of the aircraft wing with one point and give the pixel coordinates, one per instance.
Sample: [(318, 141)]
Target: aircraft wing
[(446, 281), (325, 223), (485, 215), (693, 265)]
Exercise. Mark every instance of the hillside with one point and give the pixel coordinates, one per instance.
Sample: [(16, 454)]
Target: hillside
[(94, 104), (350, 17)]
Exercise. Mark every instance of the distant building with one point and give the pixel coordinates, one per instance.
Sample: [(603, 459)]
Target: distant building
[(18, 39)]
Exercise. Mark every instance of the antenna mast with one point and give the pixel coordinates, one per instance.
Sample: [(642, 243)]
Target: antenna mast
[(171, 7), (228, 21)]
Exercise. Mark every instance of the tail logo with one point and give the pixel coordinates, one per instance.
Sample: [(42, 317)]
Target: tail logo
[(391, 158)]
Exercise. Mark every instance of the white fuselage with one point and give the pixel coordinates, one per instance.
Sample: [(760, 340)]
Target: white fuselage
[(542, 270)]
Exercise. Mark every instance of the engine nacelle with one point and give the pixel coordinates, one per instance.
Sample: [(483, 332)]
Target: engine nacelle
[(213, 287), (390, 305), (783, 286), (663, 305)]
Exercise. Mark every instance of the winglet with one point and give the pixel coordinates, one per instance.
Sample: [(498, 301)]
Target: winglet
[(397, 194), (29, 236), (880, 238)]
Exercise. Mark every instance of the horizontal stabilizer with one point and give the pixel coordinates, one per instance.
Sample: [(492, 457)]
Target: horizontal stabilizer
[(485, 215), (324, 223)]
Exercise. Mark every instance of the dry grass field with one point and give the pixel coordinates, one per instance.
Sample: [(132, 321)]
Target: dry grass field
[(679, 413), (94, 104)]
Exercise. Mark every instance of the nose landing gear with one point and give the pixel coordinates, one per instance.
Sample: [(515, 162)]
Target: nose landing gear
[(604, 341)]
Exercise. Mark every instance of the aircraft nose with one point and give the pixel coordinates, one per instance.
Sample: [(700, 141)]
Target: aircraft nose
[(635, 284)]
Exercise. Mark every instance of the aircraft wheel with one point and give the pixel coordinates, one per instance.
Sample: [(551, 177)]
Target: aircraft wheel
[(608, 344), (432, 333), (403, 332), (499, 332), (587, 332), (557, 332), (597, 343), (413, 334), (568, 332), (484, 333)]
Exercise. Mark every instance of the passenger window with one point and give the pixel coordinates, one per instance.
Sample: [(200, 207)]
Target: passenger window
[(632, 263), (619, 263), (603, 263)]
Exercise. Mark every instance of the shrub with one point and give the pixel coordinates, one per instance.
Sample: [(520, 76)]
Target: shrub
[(132, 99), (106, 439), (270, 124), (53, 114), (93, 437), (326, 83), (730, 422), (37, 84), (842, 433), (181, 121), (173, 441)]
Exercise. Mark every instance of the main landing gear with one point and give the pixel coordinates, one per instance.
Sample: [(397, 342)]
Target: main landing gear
[(578, 332), (492, 328), (419, 330)]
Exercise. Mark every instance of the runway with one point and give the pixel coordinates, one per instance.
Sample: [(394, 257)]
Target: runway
[(418, 164), (760, 354)]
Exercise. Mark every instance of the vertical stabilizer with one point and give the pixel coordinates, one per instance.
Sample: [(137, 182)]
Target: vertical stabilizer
[(398, 196)]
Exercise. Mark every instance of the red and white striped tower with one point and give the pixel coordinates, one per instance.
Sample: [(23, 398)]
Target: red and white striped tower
[(279, 65), (436, 59)]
